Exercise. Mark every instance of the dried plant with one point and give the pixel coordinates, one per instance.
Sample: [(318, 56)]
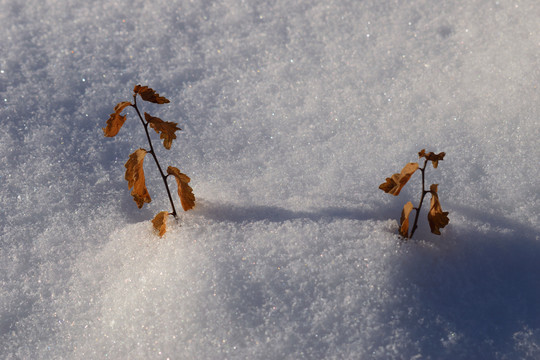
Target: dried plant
[(437, 219), (134, 166)]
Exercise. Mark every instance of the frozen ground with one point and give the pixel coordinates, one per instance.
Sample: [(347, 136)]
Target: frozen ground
[(293, 114)]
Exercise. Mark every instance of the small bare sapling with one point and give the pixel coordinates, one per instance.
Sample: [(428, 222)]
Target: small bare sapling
[(134, 166), (437, 219)]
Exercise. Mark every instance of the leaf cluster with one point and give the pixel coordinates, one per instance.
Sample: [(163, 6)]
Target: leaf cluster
[(134, 166), (437, 218)]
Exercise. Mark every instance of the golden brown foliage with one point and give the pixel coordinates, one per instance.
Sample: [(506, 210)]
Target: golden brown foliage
[(404, 221), (185, 192), (135, 177), (160, 222), (134, 166), (436, 217), (431, 156), (148, 94), (116, 120), (166, 129), (394, 184)]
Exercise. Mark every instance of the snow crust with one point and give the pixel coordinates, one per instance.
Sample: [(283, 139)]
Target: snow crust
[(292, 114)]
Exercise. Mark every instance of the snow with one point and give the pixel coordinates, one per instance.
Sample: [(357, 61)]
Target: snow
[(292, 114)]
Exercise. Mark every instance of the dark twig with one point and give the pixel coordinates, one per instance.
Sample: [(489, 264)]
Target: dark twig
[(163, 176)]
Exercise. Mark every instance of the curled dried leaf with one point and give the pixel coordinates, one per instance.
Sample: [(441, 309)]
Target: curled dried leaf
[(404, 221), (115, 121), (436, 217), (394, 184), (135, 178), (148, 94), (166, 129), (431, 156), (160, 222), (185, 192)]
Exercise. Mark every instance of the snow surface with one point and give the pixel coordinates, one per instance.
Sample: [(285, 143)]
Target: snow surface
[(293, 113)]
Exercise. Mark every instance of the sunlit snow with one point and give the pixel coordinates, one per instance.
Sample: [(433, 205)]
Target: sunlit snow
[(293, 113)]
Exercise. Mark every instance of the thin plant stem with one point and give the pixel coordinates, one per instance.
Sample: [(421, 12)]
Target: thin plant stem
[(424, 192), (163, 176)]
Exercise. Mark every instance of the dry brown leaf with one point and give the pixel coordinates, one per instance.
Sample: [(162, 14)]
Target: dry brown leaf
[(148, 94), (135, 177), (394, 184), (404, 221), (166, 129), (160, 222), (436, 217), (115, 121), (185, 192), (434, 158)]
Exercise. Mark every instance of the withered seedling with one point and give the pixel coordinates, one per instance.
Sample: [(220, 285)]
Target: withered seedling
[(134, 166), (437, 219)]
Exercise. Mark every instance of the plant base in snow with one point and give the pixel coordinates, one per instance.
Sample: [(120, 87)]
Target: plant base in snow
[(436, 217)]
